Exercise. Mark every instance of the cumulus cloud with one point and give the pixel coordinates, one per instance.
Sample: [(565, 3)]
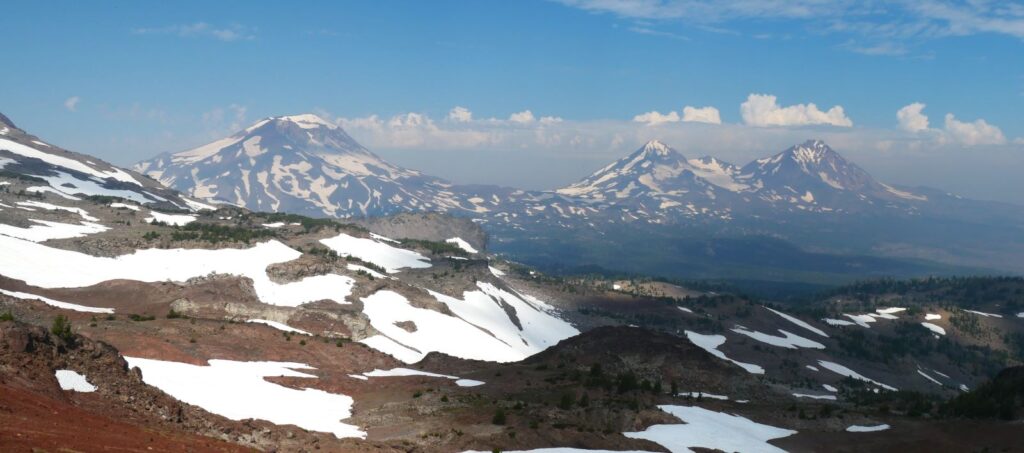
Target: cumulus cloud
[(525, 116), (654, 118), (460, 115), (701, 115), (977, 132), (764, 110), (911, 118), (233, 32), (71, 103)]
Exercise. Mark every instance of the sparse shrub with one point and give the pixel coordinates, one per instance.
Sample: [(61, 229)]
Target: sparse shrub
[(6, 316), (172, 314)]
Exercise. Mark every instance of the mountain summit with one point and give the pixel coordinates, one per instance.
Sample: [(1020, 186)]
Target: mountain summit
[(302, 164)]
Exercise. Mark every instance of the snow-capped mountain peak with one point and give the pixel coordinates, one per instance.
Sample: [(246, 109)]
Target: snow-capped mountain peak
[(298, 163)]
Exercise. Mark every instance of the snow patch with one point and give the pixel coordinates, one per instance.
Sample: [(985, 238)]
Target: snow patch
[(238, 390), (279, 326), (72, 380), (713, 431), (390, 258), (56, 303), (710, 343), (170, 219), (866, 429), (462, 244)]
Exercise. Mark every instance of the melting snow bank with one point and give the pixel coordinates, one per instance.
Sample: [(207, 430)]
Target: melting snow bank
[(798, 322), (844, 371), (712, 430), (237, 390), (932, 317), (49, 267), (710, 343), (170, 219), (279, 326), (56, 303), (701, 429), (816, 397), (789, 341), (46, 230), (390, 258), (934, 328), (704, 395), (866, 429), (480, 329), (465, 246), (987, 315), (71, 380), (400, 372)]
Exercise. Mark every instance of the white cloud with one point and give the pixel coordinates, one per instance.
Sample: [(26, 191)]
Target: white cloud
[(1019, 141), (701, 115), (233, 32), (911, 118), (550, 119), (525, 116), (903, 20), (71, 103), (654, 118), (222, 121), (973, 133), (764, 110), (460, 115)]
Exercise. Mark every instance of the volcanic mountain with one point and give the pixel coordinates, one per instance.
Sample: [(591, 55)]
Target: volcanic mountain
[(301, 164)]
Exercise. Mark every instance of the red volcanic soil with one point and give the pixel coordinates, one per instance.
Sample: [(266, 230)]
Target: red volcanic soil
[(30, 421)]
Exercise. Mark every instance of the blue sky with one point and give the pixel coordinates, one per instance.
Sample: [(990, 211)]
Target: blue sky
[(127, 80)]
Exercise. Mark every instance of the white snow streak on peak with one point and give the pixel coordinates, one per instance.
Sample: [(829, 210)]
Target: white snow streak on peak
[(72, 380), (238, 390), (932, 317), (48, 267), (56, 303), (710, 343), (390, 258), (713, 431), (462, 244), (798, 322), (309, 121)]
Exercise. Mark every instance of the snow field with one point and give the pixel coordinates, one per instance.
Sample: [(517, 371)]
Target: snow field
[(390, 258), (238, 390), (47, 267)]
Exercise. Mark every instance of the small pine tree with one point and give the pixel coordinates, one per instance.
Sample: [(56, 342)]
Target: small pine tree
[(499, 417), (62, 328)]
